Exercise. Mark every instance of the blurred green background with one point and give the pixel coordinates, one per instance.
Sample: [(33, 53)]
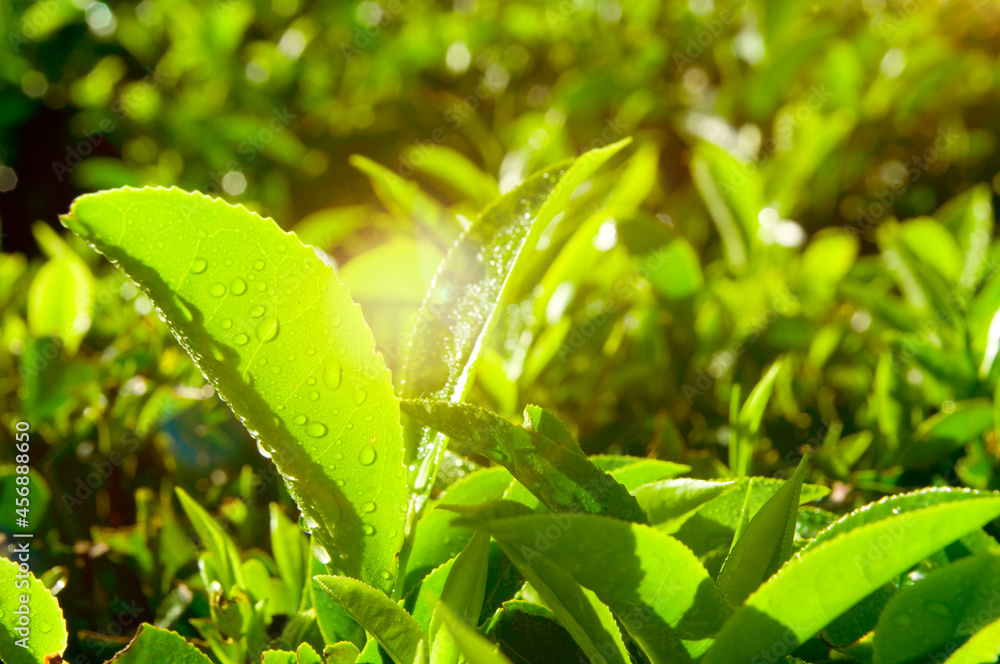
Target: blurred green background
[(811, 187)]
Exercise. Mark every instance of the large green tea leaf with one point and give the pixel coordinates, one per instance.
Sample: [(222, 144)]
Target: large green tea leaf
[(653, 583), (817, 586), (889, 506), (939, 611), (562, 479), (393, 627), (461, 302), (35, 629), (278, 336)]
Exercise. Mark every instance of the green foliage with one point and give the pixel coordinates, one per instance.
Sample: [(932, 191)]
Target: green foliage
[(32, 628), (796, 260), (225, 289), (152, 644)]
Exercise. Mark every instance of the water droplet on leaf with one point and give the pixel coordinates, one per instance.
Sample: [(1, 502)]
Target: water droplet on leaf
[(321, 554), (267, 329), (332, 373), (316, 429), (367, 455)]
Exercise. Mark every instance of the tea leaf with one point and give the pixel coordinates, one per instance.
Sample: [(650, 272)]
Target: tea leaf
[(298, 371), (393, 627), (461, 302), (557, 476), (938, 611), (43, 629), (659, 590), (153, 645), (765, 544), (818, 585)]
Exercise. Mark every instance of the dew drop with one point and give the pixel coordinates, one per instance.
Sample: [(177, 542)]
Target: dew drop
[(267, 329), (360, 397), (367, 455), (337, 455), (314, 395), (217, 289), (241, 339), (305, 525), (282, 247), (257, 310), (227, 324), (368, 507), (368, 528), (258, 264), (339, 482), (321, 554), (385, 574), (263, 452), (238, 286), (199, 265), (300, 420), (311, 380), (316, 429), (332, 373)]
